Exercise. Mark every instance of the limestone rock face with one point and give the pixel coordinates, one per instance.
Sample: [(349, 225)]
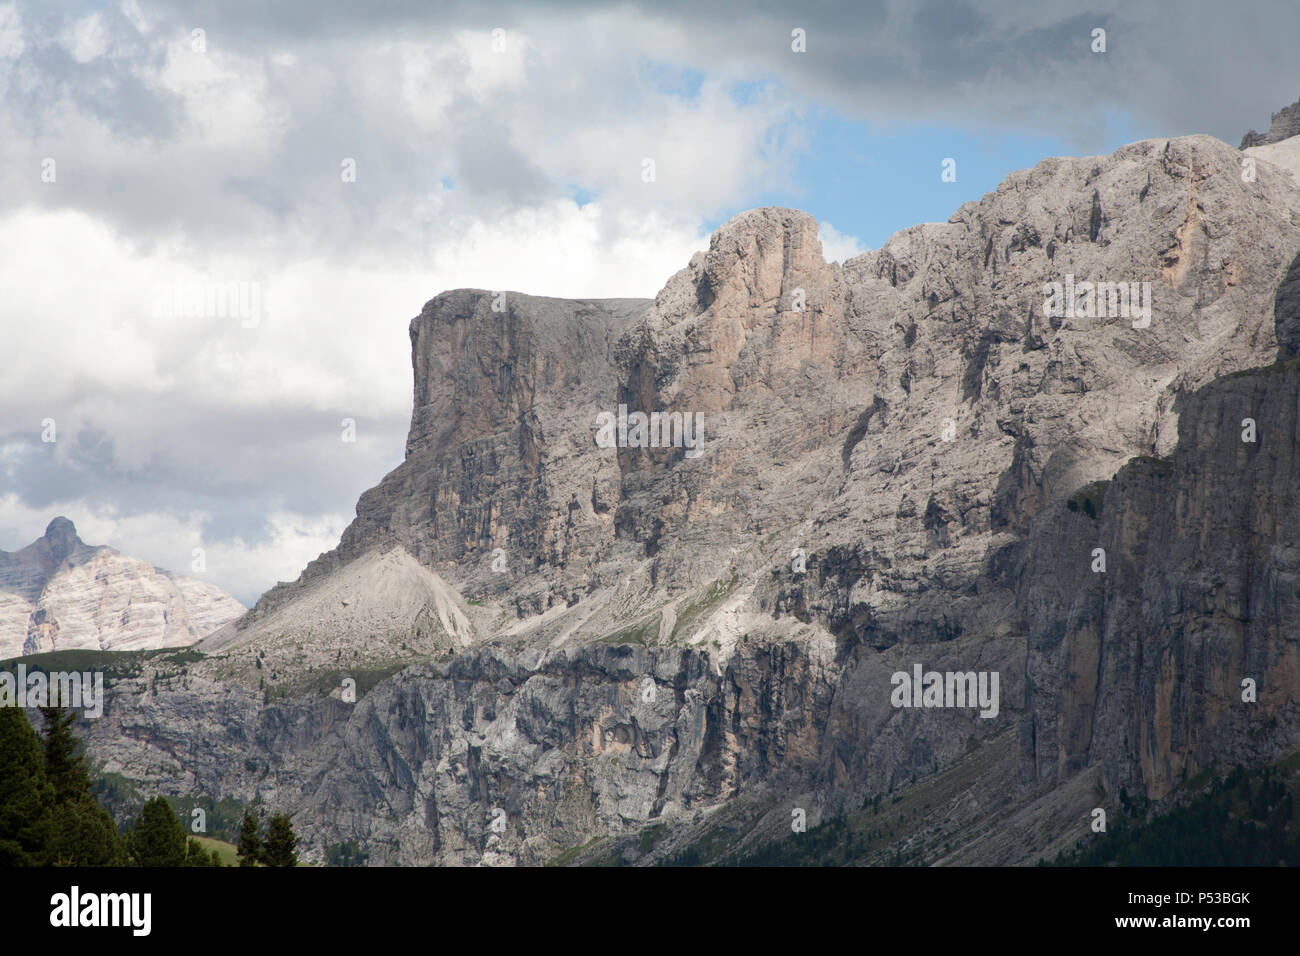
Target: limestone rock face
[(909, 459), (59, 593)]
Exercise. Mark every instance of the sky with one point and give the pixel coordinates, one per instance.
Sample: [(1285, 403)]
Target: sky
[(218, 218)]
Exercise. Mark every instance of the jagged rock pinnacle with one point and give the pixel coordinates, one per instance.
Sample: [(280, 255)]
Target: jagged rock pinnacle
[(1284, 124)]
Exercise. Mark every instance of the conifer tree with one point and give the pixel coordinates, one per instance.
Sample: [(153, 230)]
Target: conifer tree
[(280, 842), (249, 847), (158, 838), (25, 795), (64, 767), (82, 833)]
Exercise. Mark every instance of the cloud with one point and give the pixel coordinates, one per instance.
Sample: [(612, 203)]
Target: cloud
[(1025, 66), (11, 33), (836, 246), (246, 137), (86, 38)]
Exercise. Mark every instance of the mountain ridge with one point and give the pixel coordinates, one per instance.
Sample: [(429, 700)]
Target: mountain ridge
[(891, 450), (59, 593)]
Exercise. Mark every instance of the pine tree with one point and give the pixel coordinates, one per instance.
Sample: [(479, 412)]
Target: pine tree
[(280, 842), (250, 841), (82, 833), (64, 766), (25, 795), (158, 838)]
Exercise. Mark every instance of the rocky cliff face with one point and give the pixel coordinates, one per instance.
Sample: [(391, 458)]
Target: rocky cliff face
[(59, 593), (1143, 668), (907, 460)]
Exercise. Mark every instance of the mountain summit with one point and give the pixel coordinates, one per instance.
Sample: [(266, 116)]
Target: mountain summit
[(61, 536), (59, 593)]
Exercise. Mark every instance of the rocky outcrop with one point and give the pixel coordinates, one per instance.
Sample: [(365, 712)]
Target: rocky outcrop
[(597, 739), (1285, 124), (59, 593), (907, 460)]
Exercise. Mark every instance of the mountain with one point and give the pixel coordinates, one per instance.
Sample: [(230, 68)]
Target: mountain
[(59, 593), (1051, 442)]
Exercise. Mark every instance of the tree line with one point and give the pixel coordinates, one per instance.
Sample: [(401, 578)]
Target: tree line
[(50, 817), (1247, 818)]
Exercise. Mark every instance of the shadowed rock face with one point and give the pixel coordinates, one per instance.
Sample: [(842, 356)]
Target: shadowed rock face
[(1286, 313), (59, 593), (1140, 670), (909, 458)]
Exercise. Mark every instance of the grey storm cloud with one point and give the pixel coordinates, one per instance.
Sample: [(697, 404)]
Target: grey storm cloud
[(1025, 62), (1025, 66), (491, 165), (259, 458)]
